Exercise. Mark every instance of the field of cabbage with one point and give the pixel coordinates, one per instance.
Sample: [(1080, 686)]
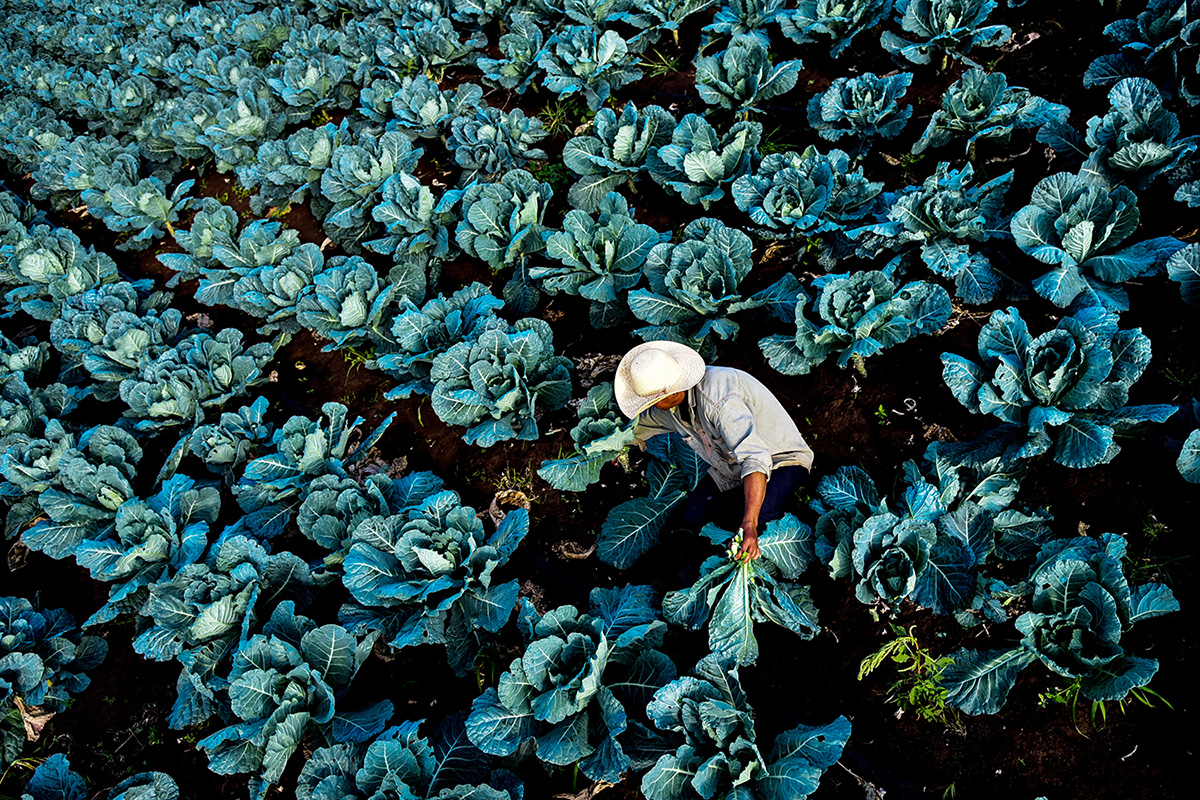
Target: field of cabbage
[(312, 480)]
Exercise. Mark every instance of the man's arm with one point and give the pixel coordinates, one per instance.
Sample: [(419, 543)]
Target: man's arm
[(754, 486)]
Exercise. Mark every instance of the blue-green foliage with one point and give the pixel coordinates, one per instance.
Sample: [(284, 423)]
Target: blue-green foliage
[(742, 76), (416, 106), (1188, 462), (944, 216), (1077, 224), (865, 107), (146, 786), (419, 226), (502, 223), (107, 334), (445, 766), (199, 373), (601, 258), (801, 194), (732, 594), (617, 153), (1184, 268), (582, 60), (144, 210), (491, 144), (46, 266), (423, 575), (719, 757), (1162, 43), (738, 17), (421, 334), (578, 684), (863, 313), (219, 255), (814, 21), (79, 487), (601, 435), (1063, 392), (982, 106), (152, 539), (348, 304), (354, 180), (655, 16), (273, 292), (522, 46), (43, 657), (205, 611), (234, 440), (700, 163), (214, 225), (284, 685), (55, 780), (694, 287), (1081, 606), (1138, 139), (289, 170), (633, 527), (499, 383), (932, 544), (945, 28), (273, 486)]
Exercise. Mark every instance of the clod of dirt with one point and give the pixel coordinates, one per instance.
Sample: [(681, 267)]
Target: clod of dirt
[(572, 550), (18, 555), (35, 719), (592, 368), (506, 500)]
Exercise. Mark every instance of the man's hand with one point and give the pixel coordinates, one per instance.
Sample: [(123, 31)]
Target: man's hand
[(749, 543)]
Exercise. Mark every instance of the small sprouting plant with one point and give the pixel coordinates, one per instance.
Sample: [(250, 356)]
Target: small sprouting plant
[(918, 690), (658, 64)]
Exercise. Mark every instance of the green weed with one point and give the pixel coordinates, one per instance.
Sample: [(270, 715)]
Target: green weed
[(659, 64), (919, 689)]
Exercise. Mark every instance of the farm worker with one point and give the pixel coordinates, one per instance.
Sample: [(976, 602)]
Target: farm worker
[(729, 418)]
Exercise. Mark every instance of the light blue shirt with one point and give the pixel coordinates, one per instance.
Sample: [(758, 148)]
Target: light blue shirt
[(735, 424)]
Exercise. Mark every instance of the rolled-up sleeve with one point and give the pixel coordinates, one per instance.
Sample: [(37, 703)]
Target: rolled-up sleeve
[(736, 425), (647, 428)]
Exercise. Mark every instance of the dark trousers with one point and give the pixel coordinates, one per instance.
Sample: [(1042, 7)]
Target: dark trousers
[(707, 503)]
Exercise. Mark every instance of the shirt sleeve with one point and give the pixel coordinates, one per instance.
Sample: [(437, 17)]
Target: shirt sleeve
[(735, 422), (647, 428)]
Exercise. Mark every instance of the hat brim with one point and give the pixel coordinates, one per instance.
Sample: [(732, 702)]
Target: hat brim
[(691, 370)]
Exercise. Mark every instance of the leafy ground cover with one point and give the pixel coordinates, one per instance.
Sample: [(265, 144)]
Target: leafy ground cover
[(306, 239)]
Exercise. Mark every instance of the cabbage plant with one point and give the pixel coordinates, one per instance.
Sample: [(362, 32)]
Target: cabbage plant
[(694, 287), (944, 216), (634, 526), (491, 143), (616, 153), (1077, 224), (582, 60), (1161, 43), (1063, 392), (598, 258), (152, 539), (601, 435), (425, 577), (733, 593), (722, 760), (47, 266), (348, 305), (946, 28), (865, 107), (417, 106), (502, 224), (1184, 268), (273, 292), (498, 384), (354, 181), (421, 334), (576, 688), (802, 194), (742, 76), (289, 170), (235, 439), (863, 313), (1138, 139), (43, 658), (699, 163), (981, 105), (441, 765), (285, 684), (743, 17), (838, 21), (1082, 603), (522, 46)]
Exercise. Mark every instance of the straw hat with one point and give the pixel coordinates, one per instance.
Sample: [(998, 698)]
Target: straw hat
[(652, 371)]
